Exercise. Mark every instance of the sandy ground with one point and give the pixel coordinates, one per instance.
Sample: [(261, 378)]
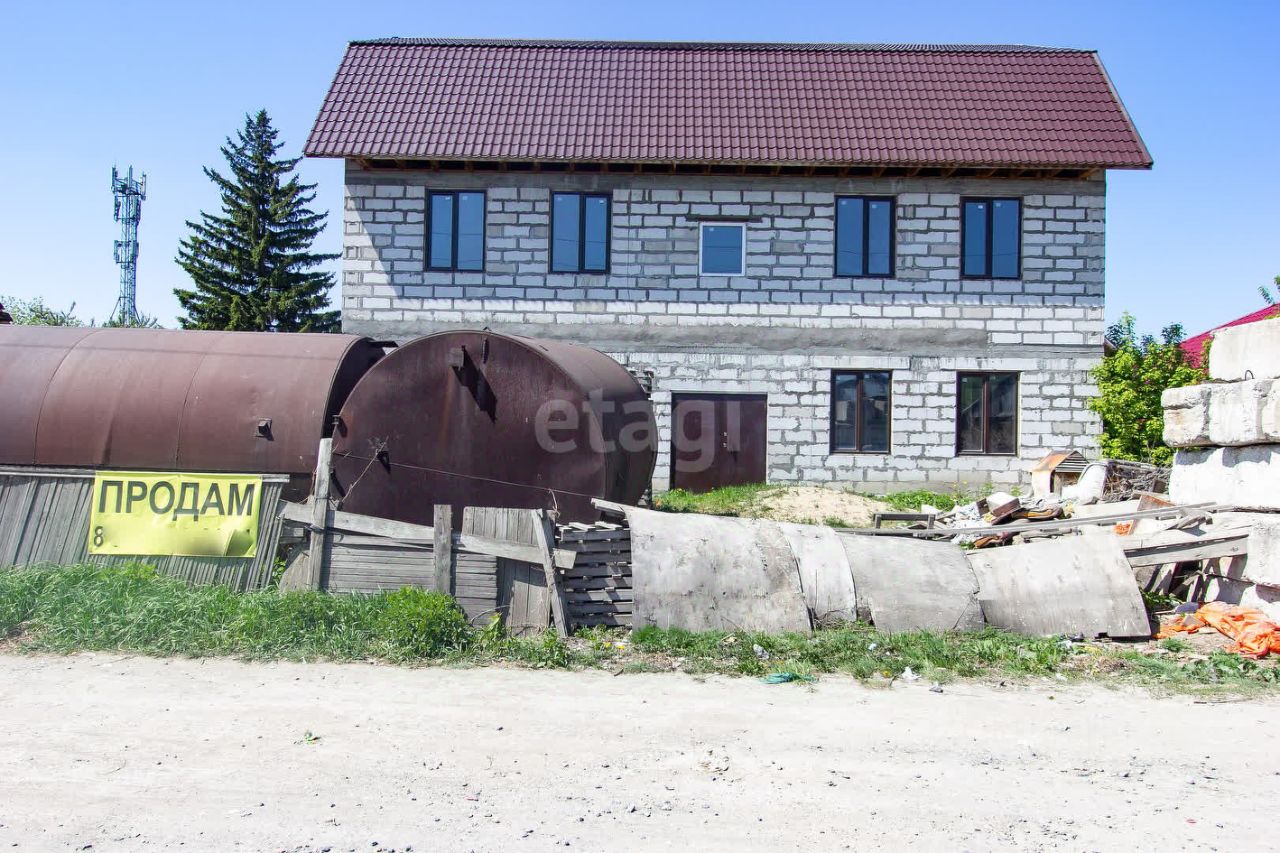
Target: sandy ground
[(143, 754), (815, 504)]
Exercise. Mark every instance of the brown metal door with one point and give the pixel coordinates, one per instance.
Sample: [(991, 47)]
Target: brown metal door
[(718, 440)]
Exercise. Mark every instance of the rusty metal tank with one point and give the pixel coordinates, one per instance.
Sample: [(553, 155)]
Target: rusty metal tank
[(174, 400), (480, 418)]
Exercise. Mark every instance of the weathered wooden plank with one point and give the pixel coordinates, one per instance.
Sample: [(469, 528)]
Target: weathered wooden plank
[(599, 571), (605, 607), (545, 535), (598, 547), (1175, 546), (319, 514), (622, 620), (442, 536), (576, 598), (619, 582), (509, 550)]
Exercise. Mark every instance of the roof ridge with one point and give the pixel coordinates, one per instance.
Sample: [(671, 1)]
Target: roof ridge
[(716, 45)]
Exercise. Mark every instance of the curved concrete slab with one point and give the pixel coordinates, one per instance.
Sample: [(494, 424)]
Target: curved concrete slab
[(1073, 585), (909, 585), (825, 576), (704, 572)]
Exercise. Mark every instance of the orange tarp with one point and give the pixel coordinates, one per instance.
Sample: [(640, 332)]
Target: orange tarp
[(1254, 633)]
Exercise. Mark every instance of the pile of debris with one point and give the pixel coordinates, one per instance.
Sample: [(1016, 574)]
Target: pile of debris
[(1073, 488)]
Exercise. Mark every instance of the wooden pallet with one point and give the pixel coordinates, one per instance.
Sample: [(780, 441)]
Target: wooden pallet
[(597, 588)]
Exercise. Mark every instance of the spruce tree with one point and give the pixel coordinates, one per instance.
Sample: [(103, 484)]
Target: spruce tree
[(252, 266)]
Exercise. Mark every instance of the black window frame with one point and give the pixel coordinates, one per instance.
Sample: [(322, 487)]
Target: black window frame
[(866, 237), (988, 249), (453, 245), (857, 419), (582, 234), (986, 411)]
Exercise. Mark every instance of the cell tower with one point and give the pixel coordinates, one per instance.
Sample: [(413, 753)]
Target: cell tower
[(129, 195)]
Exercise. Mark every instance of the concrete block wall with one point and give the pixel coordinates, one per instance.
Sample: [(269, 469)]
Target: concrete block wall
[(785, 324), (790, 245), (1228, 429), (922, 433)]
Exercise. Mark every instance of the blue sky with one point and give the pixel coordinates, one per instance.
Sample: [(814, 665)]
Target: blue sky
[(159, 85)]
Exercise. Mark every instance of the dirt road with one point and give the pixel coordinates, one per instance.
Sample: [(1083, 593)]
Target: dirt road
[(143, 754)]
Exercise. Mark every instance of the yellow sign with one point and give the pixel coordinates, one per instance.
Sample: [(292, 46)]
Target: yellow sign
[(192, 515)]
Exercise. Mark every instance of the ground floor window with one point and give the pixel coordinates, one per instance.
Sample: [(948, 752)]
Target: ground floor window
[(860, 406), (987, 413)]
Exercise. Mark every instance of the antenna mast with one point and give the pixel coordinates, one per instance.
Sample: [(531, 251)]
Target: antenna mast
[(128, 210)]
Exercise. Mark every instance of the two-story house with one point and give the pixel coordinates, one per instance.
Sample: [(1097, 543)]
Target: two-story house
[(864, 264)]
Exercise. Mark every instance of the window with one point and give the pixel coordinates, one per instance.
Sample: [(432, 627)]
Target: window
[(860, 411), (991, 238), (864, 237), (987, 413), (455, 231), (724, 248), (579, 232)]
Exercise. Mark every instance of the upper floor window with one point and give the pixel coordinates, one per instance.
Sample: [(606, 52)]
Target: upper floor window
[(991, 237), (864, 236), (987, 413), (723, 248), (860, 411), (579, 232), (455, 231)]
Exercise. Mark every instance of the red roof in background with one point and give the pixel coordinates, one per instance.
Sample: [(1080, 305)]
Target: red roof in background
[(1194, 347), (640, 102)]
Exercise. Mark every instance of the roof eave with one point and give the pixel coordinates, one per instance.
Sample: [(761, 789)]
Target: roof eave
[(384, 156)]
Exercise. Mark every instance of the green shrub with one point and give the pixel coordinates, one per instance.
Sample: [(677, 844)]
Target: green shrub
[(414, 623)]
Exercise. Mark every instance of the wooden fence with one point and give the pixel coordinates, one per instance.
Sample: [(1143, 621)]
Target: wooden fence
[(510, 562)]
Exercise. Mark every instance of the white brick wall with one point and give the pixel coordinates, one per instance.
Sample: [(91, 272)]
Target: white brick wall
[(785, 324), (922, 451)]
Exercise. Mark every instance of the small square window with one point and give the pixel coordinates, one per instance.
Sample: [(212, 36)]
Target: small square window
[(860, 411), (991, 238), (864, 237), (723, 248), (455, 231), (987, 413)]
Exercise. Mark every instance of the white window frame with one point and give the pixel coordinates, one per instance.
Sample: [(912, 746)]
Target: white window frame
[(742, 263)]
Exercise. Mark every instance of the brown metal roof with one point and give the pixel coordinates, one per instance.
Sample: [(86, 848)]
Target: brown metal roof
[(172, 400), (779, 104)]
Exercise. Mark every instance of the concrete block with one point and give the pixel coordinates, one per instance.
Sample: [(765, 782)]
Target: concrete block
[(1245, 594), (1243, 477), (1263, 565), (1186, 416), (1229, 414), (1251, 351)]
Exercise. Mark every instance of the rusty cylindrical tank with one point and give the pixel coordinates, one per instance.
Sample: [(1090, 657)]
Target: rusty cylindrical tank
[(157, 399), (479, 418)]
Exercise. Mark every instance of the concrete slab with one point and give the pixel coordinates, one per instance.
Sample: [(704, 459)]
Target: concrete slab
[(705, 572), (1186, 416), (1243, 477), (1073, 585), (825, 576), (1263, 565), (1251, 351), (1229, 414), (911, 585)]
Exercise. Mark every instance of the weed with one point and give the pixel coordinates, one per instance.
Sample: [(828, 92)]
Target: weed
[(729, 500), (134, 609)]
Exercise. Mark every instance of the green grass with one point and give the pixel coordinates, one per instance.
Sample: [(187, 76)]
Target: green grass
[(729, 500), (134, 609), (63, 609)]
